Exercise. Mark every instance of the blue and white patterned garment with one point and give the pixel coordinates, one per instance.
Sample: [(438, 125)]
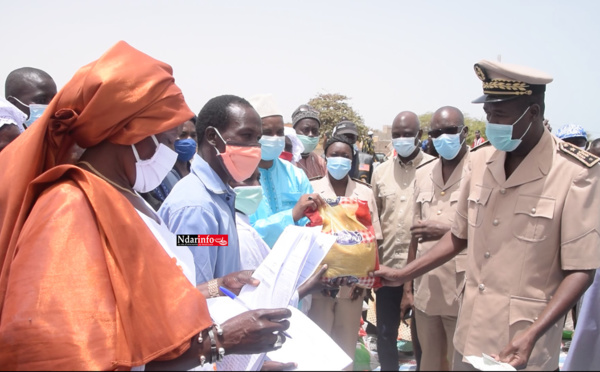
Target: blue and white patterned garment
[(283, 184)]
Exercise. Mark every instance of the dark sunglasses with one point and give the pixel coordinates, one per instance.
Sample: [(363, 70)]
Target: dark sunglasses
[(449, 130)]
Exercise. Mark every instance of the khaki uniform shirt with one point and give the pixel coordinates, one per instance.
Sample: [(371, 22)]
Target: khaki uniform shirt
[(436, 292), (356, 189), (522, 233), (393, 186)]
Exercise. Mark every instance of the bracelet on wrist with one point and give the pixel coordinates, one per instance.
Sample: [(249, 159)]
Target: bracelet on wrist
[(217, 353)]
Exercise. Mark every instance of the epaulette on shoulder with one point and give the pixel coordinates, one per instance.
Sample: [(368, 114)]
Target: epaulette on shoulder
[(588, 159), (361, 182), (485, 144), (315, 178), (425, 163)]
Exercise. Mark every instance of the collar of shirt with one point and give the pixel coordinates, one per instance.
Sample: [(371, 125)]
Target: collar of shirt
[(276, 163), (412, 163), (534, 166), (324, 186), (209, 177), (457, 174), (242, 217)]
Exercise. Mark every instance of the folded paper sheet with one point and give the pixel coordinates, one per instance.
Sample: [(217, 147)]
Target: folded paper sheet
[(296, 255), (487, 363)]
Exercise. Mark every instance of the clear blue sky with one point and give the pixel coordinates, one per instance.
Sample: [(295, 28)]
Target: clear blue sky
[(388, 56)]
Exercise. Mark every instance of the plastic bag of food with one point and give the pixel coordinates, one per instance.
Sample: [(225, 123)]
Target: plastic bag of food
[(354, 254)]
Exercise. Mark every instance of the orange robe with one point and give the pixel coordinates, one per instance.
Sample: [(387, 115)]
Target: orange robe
[(83, 282), (85, 292)]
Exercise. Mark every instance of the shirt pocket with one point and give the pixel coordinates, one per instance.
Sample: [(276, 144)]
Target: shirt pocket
[(478, 199), (388, 198), (523, 312), (453, 201), (424, 204), (532, 220)]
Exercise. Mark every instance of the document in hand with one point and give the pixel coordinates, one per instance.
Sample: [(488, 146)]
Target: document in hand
[(487, 363), (295, 256), (311, 348)]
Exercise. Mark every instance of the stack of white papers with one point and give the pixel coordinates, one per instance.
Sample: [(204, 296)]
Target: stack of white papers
[(311, 348), (295, 256), (293, 259)]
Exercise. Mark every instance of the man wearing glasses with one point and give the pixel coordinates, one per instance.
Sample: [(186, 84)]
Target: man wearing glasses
[(528, 216), (437, 189)]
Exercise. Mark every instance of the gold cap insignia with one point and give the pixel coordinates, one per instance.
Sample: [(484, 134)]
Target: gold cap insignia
[(480, 73)]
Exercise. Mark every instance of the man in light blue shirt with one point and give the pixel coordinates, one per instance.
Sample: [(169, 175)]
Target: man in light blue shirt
[(286, 189), (203, 202)]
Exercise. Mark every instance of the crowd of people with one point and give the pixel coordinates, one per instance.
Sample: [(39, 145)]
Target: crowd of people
[(488, 244)]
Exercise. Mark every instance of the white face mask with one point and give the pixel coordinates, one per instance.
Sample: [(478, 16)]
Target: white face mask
[(151, 172)]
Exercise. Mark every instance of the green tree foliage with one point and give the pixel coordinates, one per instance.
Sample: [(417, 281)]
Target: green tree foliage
[(334, 108), (471, 122)]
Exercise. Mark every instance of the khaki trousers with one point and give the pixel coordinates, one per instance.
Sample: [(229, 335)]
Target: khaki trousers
[(435, 336), (338, 317)]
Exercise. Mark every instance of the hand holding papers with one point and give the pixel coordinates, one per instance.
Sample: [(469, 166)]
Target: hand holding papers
[(232, 295), (293, 259), (295, 256)]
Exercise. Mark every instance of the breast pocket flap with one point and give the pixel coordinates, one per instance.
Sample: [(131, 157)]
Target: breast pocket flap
[(425, 197), (535, 206), (480, 194), (525, 309)]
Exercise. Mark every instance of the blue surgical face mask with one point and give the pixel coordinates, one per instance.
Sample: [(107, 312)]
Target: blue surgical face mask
[(310, 143), (185, 148), (247, 198), (448, 145), (500, 135), (404, 146), (35, 111), (271, 147), (338, 167)]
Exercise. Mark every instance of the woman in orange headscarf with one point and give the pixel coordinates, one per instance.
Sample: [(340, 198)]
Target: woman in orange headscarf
[(83, 282)]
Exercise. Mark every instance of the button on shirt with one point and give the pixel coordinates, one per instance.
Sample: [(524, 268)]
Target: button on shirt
[(437, 291), (200, 203), (393, 188), (515, 256)]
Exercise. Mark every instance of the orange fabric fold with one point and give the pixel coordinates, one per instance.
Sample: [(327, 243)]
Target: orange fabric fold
[(88, 293), (83, 282)]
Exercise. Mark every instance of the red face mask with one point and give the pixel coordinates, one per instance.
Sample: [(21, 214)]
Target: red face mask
[(285, 155), (240, 161)]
